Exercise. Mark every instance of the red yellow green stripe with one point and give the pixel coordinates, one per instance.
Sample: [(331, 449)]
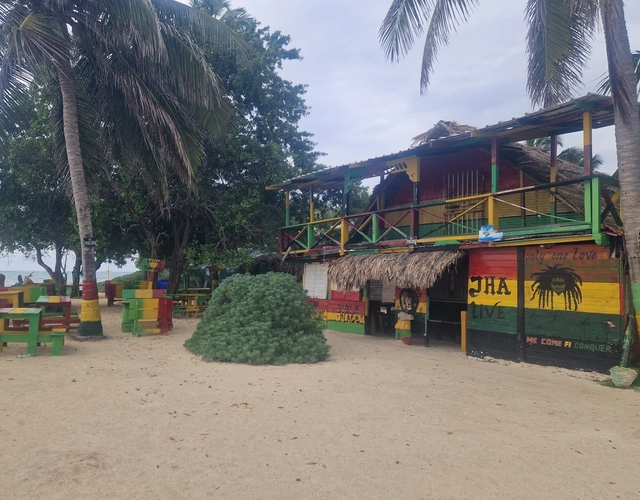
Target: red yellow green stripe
[(90, 320)]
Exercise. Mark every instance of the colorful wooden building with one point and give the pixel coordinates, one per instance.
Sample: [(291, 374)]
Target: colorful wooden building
[(472, 235)]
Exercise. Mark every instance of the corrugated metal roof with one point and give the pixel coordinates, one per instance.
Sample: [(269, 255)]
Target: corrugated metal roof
[(563, 118)]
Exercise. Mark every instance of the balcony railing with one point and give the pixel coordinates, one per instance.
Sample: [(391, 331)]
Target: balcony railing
[(518, 213)]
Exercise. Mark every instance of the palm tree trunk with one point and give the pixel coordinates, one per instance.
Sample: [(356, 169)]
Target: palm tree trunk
[(627, 132), (90, 320)]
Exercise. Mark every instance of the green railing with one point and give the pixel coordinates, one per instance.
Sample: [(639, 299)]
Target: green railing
[(459, 219)]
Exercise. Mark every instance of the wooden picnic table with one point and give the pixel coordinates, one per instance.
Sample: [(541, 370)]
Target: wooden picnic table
[(49, 302), (190, 303), (31, 334), (14, 297)]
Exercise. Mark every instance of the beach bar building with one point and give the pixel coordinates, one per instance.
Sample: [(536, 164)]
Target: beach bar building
[(475, 237)]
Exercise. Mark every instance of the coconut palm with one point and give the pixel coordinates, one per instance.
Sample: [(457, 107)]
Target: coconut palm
[(604, 87), (221, 9), (575, 155), (137, 58), (559, 40)]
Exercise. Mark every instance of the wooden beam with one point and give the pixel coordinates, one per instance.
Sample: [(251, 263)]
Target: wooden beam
[(587, 131)]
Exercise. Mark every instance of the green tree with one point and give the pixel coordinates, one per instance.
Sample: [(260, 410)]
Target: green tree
[(130, 63), (558, 44), (230, 214), (37, 217)]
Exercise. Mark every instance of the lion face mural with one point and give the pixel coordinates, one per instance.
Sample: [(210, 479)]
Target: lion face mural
[(557, 280)]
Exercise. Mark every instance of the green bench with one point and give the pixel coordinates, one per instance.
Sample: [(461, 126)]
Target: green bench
[(29, 334), (146, 311)]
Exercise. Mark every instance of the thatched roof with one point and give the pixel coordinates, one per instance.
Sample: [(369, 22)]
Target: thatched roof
[(404, 270), (441, 129), (537, 164)]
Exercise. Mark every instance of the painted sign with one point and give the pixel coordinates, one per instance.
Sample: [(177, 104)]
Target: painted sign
[(493, 290), (342, 315), (411, 301), (572, 311), (569, 344)]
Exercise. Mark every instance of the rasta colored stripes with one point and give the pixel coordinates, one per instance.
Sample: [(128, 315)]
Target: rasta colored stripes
[(89, 290)]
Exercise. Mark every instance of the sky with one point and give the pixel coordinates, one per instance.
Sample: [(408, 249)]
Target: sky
[(363, 106)]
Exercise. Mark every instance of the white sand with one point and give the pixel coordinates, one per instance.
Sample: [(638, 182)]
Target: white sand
[(143, 418)]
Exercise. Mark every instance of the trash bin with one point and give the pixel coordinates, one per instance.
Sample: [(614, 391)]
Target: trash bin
[(162, 284)]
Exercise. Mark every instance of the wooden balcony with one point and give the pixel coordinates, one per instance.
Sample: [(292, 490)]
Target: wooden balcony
[(588, 203)]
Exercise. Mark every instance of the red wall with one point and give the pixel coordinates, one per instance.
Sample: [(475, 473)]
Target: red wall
[(433, 169)]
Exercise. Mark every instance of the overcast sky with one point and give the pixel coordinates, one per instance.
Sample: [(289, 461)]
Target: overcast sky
[(363, 106)]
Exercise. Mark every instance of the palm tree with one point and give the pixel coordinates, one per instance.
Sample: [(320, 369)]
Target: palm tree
[(559, 41), (137, 51), (604, 87), (221, 9), (575, 155)]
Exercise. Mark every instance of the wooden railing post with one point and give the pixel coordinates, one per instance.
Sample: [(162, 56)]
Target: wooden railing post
[(311, 240), (553, 176), (287, 213), (587, 201), (493, 212), (495, 183), (344, 236), (595, 207), (587, 131), (375, 230)]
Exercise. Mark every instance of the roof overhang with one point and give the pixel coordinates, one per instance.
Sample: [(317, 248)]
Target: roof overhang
[(560, 119)]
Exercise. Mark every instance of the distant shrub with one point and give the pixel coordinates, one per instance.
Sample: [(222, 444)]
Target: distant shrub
[(264, 319)]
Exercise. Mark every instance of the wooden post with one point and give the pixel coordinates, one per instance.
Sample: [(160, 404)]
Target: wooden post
[(553, 177), (493, 213), (375, 230), (495, 184), (587, 129), (523, 201), (344, 236), (595, 206), (426, 321), (287, 201), (415, 215), (310, 235), (463, 331), (495, 170)]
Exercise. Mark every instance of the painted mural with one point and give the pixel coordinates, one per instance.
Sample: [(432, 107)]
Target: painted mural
[(574, 293), (572, 306), (343, 314)]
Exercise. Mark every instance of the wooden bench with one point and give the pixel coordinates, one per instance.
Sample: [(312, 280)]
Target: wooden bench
[(190, 303), (30, 292), (11, 298), (146, 311), (30, 333), (57, 311), (113, 292)]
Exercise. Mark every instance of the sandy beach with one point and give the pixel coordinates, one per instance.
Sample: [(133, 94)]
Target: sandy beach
[(143, 418)]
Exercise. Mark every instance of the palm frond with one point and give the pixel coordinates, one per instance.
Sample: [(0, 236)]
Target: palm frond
[(558, 46), (604, 86), (205, 27), (447, 15), (404, 22)]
